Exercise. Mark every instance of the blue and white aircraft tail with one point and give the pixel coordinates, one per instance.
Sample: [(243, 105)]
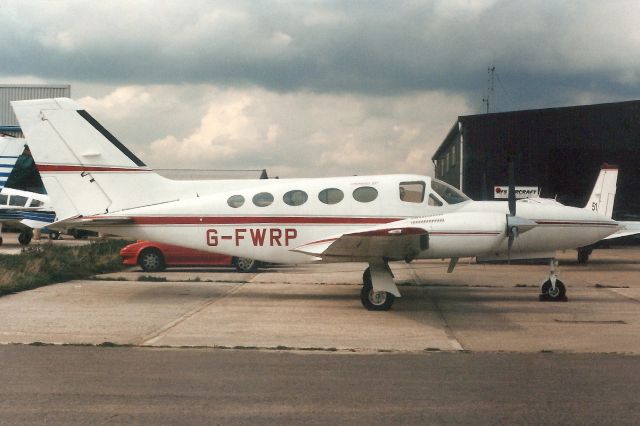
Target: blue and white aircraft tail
[(10, 150), (22, 208)]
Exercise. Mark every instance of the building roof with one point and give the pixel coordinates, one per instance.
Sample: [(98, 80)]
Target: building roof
[(524, 115)]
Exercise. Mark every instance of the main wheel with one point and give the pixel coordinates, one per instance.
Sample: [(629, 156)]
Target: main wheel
[(558, 293), (151, 260), (366, 276), (376, 300), (79, 234), (24, 238), (245, 264), (583, 255)]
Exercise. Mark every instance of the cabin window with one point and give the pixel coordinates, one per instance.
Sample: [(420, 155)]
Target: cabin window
[(365, 194), (412, 192), (295, 197), (262, 199), (433, 201), (4, 199), (36, 203), (235, 201), (331, 196), (17, 200)]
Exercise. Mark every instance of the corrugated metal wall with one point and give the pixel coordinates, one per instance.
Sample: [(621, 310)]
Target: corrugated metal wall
[(16, 92)]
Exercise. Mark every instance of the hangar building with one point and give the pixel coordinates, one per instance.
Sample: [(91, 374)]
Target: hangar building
[(24, 175), (18, 92), (559, 150)]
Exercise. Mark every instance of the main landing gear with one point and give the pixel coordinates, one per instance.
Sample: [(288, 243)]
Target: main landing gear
[(553, 290), (377, 299)]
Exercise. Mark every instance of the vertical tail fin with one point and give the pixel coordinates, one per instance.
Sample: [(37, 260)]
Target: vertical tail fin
[(10, 150), (85, 169), (604, 191)]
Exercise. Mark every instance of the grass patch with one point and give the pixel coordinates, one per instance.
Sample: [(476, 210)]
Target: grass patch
[(151, 278), (55, 264)]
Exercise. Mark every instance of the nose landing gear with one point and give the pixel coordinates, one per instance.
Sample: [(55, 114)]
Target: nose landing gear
[(553, 290)]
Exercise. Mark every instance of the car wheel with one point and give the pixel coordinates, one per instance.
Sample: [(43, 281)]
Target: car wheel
[(245, 264), (24, 238), (54, 235), (151, 260)]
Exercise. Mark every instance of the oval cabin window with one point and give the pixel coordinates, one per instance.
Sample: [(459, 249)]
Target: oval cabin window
[(235, 201), (295, 197), (365, 194), (331, 196), (262, 199)]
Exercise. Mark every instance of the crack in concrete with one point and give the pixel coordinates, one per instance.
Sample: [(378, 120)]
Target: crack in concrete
[(150, 339)]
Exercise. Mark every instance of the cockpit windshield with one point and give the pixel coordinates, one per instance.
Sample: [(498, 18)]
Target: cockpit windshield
[(447, 192)]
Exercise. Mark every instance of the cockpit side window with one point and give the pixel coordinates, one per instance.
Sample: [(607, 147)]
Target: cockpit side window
[(18, 200), (448, 193), (4, 199), (433, 201), (412, 192)]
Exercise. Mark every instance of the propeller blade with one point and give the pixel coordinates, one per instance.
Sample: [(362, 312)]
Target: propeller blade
[(512, 188)]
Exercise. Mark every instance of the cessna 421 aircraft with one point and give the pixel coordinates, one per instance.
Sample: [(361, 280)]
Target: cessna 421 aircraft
[(96, 183)]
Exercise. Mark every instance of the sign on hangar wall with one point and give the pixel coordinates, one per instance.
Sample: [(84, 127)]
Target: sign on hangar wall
[(521, 192)]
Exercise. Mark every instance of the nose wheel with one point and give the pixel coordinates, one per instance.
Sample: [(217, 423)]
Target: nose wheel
[(553, 290)]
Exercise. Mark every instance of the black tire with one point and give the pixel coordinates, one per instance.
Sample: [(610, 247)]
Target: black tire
[(245, 264), (1, 241), (151, 260), (79, 234), (376, 301), (583, 256), (54, 235), (366, 276), (24, 238), (559, 293)]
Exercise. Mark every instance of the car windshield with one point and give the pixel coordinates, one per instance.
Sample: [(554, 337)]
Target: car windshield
[(447, 192)]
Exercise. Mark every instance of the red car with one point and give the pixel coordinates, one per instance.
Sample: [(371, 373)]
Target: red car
[(154, 257)]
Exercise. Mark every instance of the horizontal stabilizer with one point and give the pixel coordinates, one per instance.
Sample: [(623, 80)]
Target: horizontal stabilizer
[(91, 222), (627, 228)]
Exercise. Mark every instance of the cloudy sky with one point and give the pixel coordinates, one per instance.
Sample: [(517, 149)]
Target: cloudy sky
[(315, 88)]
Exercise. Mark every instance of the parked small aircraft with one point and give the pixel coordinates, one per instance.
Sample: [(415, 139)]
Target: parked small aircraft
[(21, 208), (606, 179), (96, 183)]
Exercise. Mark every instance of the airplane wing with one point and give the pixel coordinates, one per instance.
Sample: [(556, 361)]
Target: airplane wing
[(393, 243)]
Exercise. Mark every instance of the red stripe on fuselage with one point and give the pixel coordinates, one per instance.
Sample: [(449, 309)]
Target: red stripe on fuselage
[(245, 220), (47, 168)]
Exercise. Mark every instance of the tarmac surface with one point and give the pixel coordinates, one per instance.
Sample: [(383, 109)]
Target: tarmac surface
[(474, 346), (479, 307), (94, 385)]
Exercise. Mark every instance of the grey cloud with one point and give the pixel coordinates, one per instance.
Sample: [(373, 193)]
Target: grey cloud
[(355, 47)]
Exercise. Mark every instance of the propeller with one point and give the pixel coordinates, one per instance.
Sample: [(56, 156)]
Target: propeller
[(515, 225)]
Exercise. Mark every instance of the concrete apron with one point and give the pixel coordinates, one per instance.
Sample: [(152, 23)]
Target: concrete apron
[(478, 308)]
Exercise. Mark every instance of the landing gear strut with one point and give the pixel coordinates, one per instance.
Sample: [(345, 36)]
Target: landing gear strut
[(553, 290), (374, 300)]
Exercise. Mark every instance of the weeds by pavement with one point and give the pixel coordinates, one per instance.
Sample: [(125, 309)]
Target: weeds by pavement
[(54, 264)]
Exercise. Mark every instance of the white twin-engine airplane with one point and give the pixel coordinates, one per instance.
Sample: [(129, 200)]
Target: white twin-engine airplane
[(96, 183)]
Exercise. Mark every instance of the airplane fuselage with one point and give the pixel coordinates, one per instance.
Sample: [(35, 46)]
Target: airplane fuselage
[(269, 219)]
